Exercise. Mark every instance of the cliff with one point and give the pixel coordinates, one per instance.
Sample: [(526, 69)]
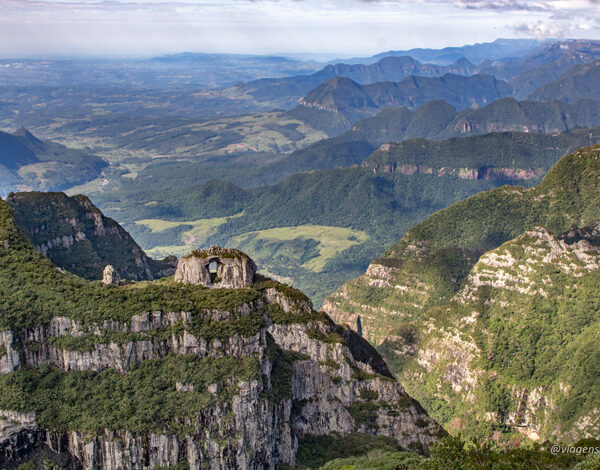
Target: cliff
[(76, 236), (441, 299), (166, 373), (232, 268), (428, 265), (515, 347)]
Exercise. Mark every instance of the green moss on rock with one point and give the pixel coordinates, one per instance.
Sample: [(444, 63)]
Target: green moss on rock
[(144, 400)]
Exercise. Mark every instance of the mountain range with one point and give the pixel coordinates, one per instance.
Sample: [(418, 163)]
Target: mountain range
[(387, 69), (544, 65), (439, 120), (477, 53), (530, 68), (336, 104), (574, 84), (464, 304)]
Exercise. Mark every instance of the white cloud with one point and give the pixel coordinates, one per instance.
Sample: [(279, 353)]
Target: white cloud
[(541, 30), (359, 27)]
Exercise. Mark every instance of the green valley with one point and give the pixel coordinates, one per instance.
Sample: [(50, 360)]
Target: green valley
[(193, 232), (395, 188), (320, 244), (488, 308)]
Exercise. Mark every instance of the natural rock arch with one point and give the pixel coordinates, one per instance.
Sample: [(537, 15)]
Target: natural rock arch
[(234, 269)]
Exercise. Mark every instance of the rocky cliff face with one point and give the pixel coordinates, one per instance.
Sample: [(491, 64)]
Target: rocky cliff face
[(261, 425), (428, 265), (467, 173), (76, 236), (463, 318), (506, 344), (162, 374)]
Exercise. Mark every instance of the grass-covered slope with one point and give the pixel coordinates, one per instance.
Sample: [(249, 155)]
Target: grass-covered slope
[(427, 266)]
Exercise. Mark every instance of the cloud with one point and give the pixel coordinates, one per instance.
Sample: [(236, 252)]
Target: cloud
[(506, 5), (542, 30), (349, 27), (563, 8)]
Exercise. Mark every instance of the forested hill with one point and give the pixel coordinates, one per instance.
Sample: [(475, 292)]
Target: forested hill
[(334, 105), (288, 227), (29, 163), (437, 120), (498, 297)]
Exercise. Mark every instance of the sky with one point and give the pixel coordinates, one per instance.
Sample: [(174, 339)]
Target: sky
[(340, 28)]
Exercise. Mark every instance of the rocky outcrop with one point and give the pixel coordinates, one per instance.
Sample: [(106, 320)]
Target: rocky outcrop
[(288, 304), (13, 423), (575, 253), (336, 383), (409, 293), (77, 237), (119, 345), (466, 173), (9, 358), (110, 276), (232, 268)]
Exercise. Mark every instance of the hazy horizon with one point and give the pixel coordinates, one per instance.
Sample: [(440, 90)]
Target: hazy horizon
[(300, 56), (329, 29)]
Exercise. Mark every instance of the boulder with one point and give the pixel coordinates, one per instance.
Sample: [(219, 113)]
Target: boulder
[(110, 275)]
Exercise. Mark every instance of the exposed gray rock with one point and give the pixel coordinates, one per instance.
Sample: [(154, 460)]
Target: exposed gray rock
[(10, 361), (260, 427), (120, 356), (287, 304), (13, 423), (110, 276), (234, 268)]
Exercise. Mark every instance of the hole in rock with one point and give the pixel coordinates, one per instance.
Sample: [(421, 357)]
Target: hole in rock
[(212, 269)]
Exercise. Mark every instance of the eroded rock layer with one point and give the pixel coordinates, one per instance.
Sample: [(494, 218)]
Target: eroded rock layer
[(145, 375)]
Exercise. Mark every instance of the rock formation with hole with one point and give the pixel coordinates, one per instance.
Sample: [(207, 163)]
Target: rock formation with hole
[(234, 268)]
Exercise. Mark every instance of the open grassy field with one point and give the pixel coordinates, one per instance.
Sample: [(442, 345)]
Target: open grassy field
[(311, 245), (192, 238)]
